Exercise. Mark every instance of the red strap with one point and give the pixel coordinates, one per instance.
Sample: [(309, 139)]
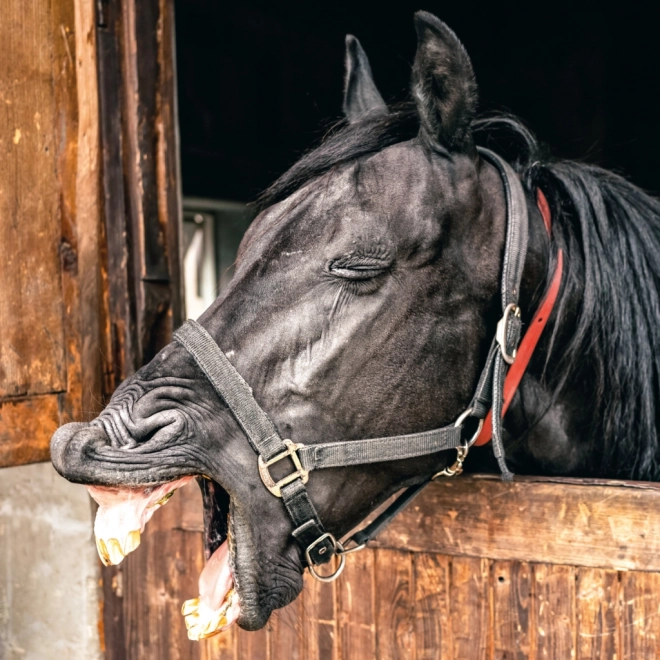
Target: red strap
[(533, 333)]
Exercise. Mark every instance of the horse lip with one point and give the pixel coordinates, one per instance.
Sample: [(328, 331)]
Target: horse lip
[(245, 569)]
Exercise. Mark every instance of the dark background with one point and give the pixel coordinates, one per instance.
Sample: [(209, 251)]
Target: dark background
[(260, 83)]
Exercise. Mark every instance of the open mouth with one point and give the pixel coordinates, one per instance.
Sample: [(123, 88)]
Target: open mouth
[(121, 518)]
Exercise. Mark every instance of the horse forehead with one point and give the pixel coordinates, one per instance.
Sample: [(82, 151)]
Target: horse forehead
[(405, 175)]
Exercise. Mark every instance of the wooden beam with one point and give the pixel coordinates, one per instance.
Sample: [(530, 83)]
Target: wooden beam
[(599, 524)]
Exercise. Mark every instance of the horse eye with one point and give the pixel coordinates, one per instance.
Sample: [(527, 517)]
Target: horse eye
[(358, 269)]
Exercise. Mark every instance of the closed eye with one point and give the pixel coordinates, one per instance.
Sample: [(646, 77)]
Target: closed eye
[(358, 269), (357, 273)]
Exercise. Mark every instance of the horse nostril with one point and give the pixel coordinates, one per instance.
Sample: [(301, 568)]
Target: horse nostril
[(64, 442), (165, 426)]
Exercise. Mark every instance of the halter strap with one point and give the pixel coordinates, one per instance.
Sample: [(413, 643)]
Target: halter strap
[(534, 331), (319, 546)]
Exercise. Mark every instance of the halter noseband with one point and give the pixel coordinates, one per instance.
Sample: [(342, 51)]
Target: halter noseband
[(318, 545)]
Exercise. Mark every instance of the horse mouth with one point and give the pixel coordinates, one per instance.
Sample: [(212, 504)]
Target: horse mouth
[(228, 588)]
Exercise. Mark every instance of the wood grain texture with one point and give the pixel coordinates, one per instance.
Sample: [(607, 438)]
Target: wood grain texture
[(511, 589), (319, 625), (432, 602), (286, 632), (156, 580), (26, 426), (470, 612), (356, 597), (600, 526), (253, 645), (76, 92), (395, 623), (598, 618), (554, 611), (31, 306), (640, 615)]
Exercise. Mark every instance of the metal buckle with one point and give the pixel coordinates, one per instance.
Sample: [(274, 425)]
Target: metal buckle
[(339, 552), (502, 327), (463, 450), (292, 451)]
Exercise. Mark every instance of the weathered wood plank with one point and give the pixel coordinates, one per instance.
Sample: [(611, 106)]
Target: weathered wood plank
[(26, 426), (511, 588), (220, 647), (600, 526), (253, 645), (286, 635), (76, 92), (554, 611), (395, 625), (432, 606), (320, 619), (157, 578), (355, 607), (470, 611), (31, 307), (640, 615), (597, 605)]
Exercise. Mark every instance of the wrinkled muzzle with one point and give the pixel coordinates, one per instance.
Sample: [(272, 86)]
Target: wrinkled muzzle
[(133, 459)]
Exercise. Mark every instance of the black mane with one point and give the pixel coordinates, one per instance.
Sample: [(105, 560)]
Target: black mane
[(610, 232)]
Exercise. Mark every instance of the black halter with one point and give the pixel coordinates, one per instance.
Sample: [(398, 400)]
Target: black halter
[(320, 546)]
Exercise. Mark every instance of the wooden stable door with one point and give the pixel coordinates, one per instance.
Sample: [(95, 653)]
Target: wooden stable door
[(50, 280), (89, 208), (90, 222), (474, 569)]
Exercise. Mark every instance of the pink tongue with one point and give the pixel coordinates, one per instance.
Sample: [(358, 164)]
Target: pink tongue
[(216, 581)]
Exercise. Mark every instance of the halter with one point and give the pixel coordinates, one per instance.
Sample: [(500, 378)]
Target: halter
[(492, 397)]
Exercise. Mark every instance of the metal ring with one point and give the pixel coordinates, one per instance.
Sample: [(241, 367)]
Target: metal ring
[(459, 422), (339, 552)]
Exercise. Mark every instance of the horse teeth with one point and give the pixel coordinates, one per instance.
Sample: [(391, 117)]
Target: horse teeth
[(112, 551), (202, 621), (190, 606)]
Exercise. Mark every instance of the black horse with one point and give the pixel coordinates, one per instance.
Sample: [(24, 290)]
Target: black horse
[(364, 302)]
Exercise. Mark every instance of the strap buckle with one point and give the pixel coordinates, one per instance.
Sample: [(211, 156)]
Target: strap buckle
[(338, 550), (503, 331), (275, 487)]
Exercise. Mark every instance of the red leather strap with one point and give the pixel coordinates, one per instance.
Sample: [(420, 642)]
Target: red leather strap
[(533, 333)]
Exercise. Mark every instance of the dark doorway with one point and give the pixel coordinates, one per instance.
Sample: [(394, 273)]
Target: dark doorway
[(260, 82)]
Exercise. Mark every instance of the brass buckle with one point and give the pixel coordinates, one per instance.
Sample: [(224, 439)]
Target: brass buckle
[(276, 487), (500, 334), (339, 552)]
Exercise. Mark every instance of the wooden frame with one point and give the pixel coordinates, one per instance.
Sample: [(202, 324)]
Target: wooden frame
[(474, 568), (50, 280)]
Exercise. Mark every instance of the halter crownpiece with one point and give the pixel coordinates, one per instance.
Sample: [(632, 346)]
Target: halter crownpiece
[(318, 545)]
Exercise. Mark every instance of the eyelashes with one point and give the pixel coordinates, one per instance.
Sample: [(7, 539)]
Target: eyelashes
[(360, 274)]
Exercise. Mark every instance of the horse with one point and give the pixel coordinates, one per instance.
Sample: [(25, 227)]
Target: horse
[(365, 299)]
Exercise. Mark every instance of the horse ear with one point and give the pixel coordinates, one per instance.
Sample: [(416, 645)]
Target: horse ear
[(360, 94), (443, 84)]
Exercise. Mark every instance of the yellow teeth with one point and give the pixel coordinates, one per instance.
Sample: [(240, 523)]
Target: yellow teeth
[(202, 621), (163, 500), (111, 551)]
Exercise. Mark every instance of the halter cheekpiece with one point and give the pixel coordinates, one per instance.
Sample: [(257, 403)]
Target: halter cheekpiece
[(489, 403)]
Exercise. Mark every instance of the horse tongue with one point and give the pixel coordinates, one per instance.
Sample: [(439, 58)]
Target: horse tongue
[(217, 606), (123, 514)]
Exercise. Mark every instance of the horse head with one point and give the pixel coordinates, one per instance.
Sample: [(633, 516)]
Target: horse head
[(364, 302)]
